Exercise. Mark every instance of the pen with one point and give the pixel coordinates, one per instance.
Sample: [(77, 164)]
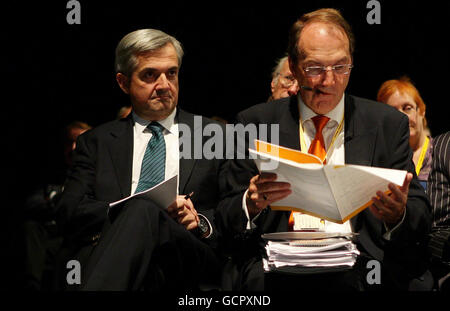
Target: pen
[(188, 196)]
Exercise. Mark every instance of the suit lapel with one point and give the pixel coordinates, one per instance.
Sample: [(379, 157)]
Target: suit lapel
[(288, 122), (121, 151), (187, 165), (359, 139)]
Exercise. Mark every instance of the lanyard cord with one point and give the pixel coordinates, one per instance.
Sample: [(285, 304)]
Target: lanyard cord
[(422, 155)]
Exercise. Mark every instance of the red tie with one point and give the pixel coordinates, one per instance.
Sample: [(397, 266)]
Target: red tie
[(317, 148)]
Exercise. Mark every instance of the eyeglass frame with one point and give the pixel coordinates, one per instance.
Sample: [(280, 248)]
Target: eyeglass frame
[(325, 68)]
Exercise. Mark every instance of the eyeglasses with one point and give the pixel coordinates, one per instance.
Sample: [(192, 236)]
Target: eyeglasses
[(286, 81), (313, 71)]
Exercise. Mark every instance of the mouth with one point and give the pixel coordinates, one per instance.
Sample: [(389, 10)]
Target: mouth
[(162, 98), (320, 92), (315, 90)]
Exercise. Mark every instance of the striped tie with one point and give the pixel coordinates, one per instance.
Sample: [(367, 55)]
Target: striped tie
[(154, 162)]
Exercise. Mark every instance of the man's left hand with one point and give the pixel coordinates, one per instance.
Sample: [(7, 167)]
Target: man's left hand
[(390, 208)]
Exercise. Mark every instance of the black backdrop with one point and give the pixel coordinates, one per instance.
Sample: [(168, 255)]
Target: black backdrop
[(54, 72)]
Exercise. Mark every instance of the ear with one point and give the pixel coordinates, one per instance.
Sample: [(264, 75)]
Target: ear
[(272, 85), (123, 82), (292, 67)]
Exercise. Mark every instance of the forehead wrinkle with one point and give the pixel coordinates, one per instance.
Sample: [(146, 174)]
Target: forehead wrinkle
[(323, 38)]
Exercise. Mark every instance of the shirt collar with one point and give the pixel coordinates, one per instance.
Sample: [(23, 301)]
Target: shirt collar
[(167, 123), (336, 114)]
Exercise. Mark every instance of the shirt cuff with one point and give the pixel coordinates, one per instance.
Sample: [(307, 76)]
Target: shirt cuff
[(250, 223), (387, 234)]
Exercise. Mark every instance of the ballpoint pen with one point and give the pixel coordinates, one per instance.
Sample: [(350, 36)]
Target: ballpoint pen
[(188, 196)]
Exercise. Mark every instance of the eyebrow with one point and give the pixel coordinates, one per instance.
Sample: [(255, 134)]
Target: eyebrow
[(152, 69)]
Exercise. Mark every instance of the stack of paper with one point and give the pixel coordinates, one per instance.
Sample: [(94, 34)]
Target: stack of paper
[(315, 253)]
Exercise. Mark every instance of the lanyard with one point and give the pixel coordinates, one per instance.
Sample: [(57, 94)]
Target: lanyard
[(302, 137), (422, 155)]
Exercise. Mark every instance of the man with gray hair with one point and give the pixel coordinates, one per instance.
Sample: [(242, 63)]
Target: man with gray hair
[(139, 245), (283, 83)]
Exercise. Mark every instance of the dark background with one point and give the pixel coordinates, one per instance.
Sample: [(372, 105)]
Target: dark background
[(54, 73)]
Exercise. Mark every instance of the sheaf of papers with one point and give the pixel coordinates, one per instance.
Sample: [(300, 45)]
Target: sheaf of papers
[(163, 194), (333, 252), (332, 192)]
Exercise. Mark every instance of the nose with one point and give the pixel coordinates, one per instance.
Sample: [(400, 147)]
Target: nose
[(328, 79), (293, 89), (162, 82)]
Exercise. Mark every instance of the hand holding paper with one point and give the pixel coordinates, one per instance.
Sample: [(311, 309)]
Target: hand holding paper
[(332, 192), (390, 208), (162, 194), (263, 191)]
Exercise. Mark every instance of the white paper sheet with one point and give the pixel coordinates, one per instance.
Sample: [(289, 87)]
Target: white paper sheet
[(163, 194)]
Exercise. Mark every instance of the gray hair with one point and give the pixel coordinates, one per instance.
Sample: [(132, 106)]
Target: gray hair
[(141, 41), (278, 66)]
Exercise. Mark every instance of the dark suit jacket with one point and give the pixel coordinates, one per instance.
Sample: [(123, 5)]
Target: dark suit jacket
[(439, 181), (102, 173), (375, 135), (438, 191)]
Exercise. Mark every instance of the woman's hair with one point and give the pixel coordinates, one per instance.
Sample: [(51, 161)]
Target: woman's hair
[(403, 86)]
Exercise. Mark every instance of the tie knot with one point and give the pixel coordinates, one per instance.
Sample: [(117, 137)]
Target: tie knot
[(320, 122), (155, 128)]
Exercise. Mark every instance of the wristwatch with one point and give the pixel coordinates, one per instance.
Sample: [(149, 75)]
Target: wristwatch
[(202, 227)]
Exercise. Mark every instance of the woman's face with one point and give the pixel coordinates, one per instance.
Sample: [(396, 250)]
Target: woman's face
[(405, 103)]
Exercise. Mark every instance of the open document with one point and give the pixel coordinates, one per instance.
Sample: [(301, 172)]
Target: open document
[(332, 192), (163, 194)]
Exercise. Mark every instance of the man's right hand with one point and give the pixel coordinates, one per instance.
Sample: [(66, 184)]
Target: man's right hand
[(263, 191), (183, 212)]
